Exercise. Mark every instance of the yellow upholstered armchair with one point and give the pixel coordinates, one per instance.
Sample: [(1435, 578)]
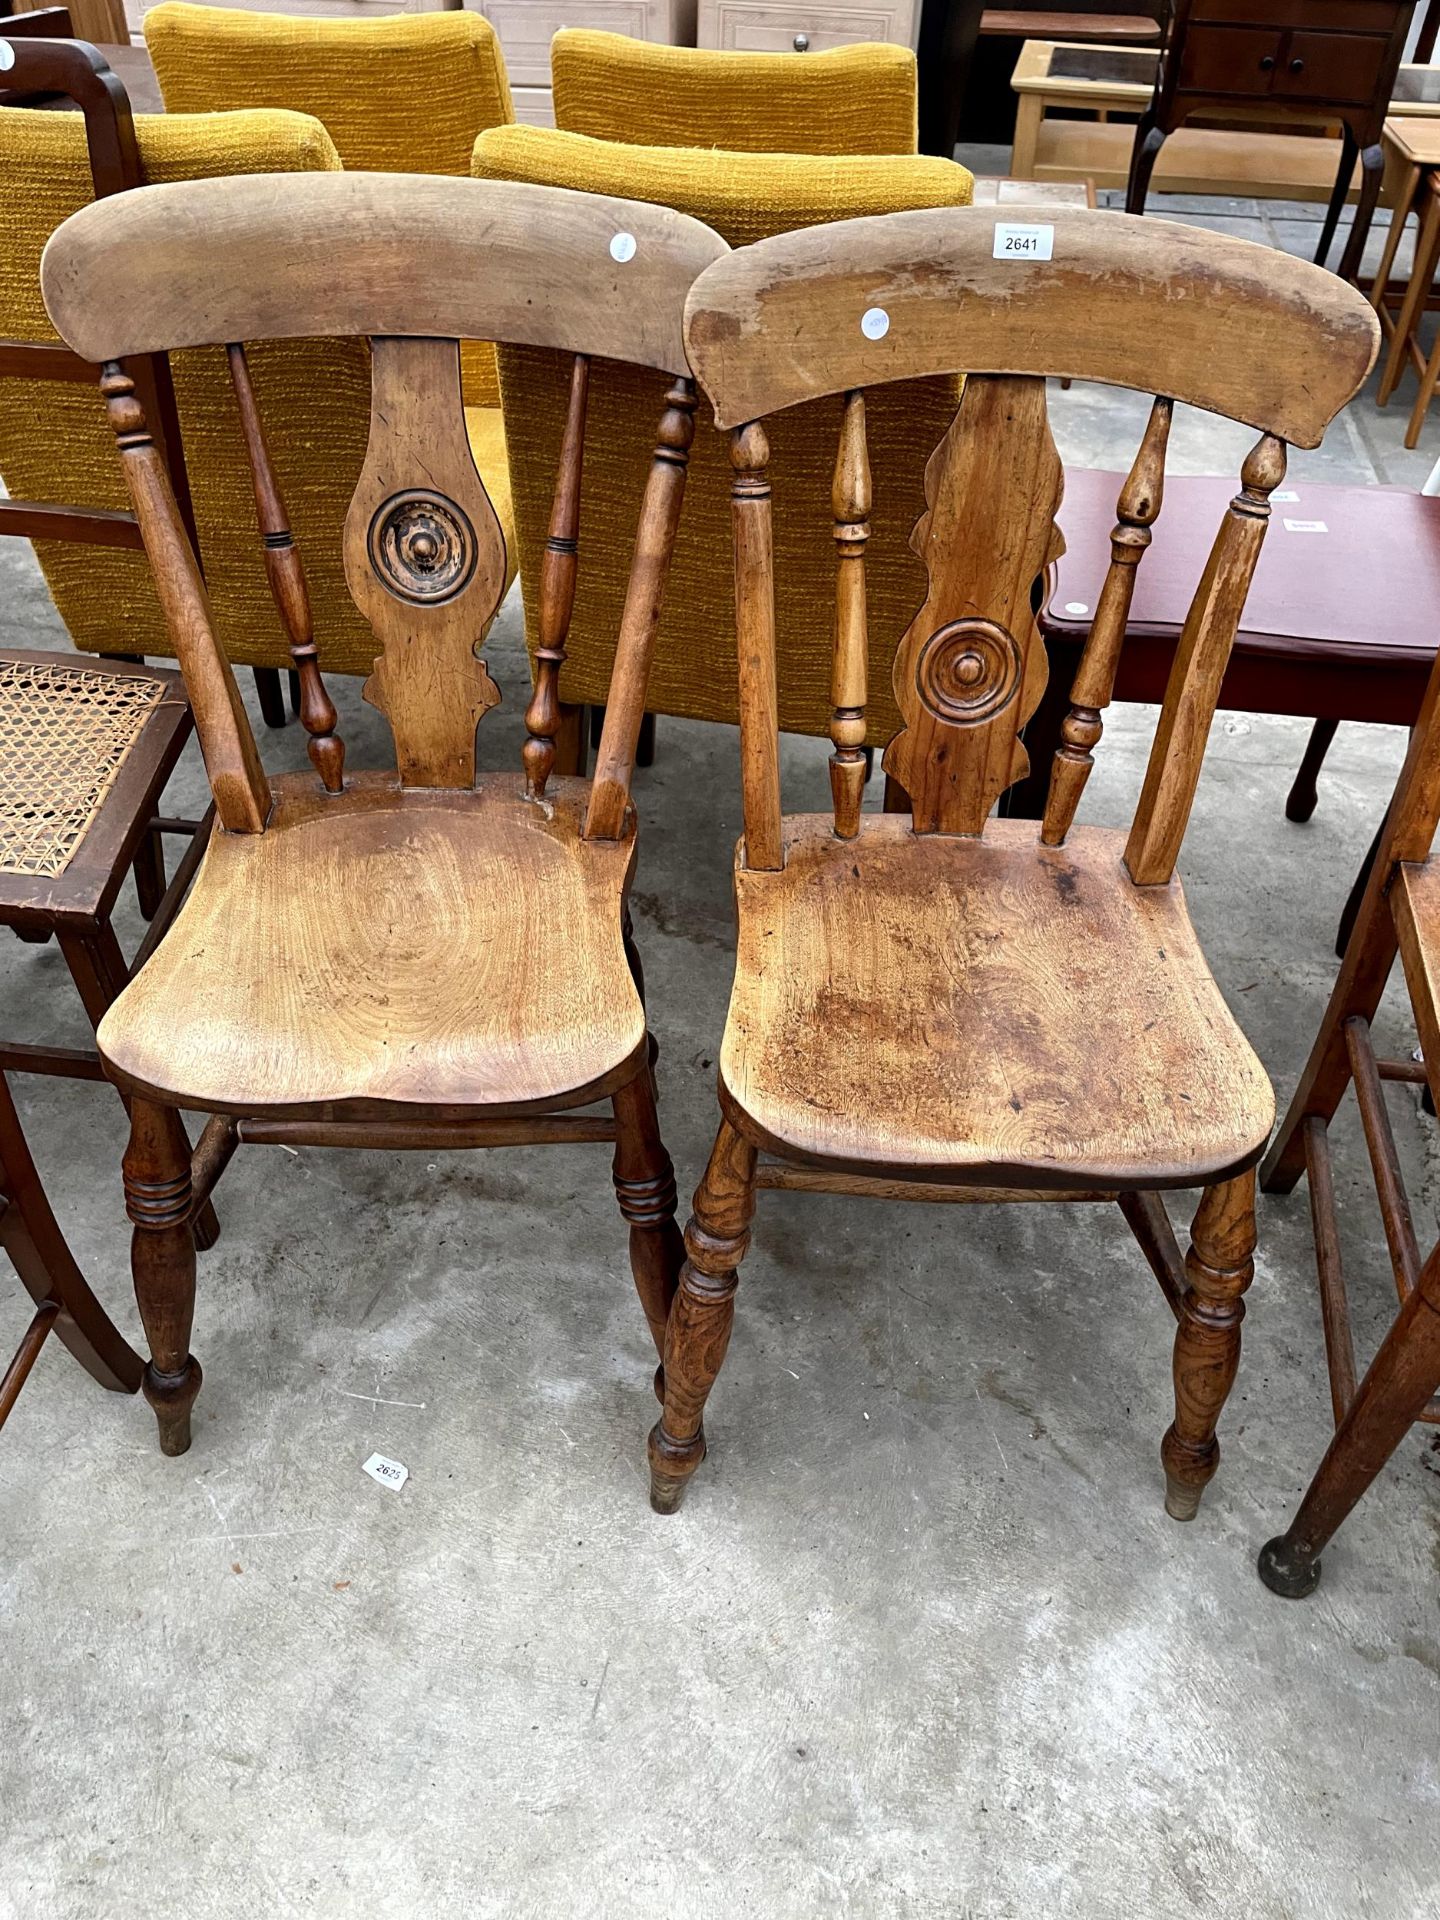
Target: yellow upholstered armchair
[(848, 100), (55, 444), (406, 93), (744, 197)]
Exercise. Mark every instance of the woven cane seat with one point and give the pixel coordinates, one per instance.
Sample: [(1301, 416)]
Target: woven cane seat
[(64, 734), (85, 751)]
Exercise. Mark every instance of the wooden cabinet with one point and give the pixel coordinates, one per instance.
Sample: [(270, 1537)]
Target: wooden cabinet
[(1296, 59), (803, 26), (526, 28)]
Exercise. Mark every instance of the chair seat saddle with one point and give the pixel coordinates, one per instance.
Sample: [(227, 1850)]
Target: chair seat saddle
[(395, 947), (983, 1009)]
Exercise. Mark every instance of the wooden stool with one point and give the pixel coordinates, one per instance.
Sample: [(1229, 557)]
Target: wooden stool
[(1413, 153)]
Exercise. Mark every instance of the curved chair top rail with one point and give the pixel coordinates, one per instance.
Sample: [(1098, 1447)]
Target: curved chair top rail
[(290, 256), (1224, 324)]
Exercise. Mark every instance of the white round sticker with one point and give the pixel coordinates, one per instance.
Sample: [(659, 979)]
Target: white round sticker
[(7, 56), (622, 247), (875, 323), (1076, 606)]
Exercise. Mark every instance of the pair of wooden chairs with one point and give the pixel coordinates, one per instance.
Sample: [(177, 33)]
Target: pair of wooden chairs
[(931, 1006)]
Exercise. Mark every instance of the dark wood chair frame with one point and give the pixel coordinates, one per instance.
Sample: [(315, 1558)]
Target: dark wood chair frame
[(64, 1304), (1399, 913), (394, 258), (833, 310), (79, 72)]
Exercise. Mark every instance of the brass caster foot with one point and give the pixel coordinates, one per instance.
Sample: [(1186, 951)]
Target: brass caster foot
[(1284, 1571)]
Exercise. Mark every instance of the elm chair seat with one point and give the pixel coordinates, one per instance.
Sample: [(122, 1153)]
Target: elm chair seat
[(990, 1024), (409, 931)]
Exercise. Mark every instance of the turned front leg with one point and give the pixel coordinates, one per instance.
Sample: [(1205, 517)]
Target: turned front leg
[(703, 1313), (645, 1188), (162, 1258), (1218, 1269)]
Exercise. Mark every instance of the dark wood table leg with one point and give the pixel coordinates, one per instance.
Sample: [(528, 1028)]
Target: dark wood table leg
[(1150, 137), (1372, 171), (949, 30), (1349, 148), (1300, 801)]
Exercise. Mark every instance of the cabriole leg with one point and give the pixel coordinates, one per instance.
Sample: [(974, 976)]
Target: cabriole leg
[(1218, 1269), (162, 1257), (702, 1315), (645, 1187)]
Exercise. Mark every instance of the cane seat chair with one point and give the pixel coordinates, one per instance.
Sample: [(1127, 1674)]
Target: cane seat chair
[(1399, 912), (64, 1304), (947, 1006), (428, 956)]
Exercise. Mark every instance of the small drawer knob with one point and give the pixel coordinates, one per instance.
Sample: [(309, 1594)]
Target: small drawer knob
[(802, 43), (1267, 63), (1297, 66)]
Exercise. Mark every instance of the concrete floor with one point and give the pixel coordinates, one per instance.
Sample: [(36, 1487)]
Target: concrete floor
[(922, 1642)]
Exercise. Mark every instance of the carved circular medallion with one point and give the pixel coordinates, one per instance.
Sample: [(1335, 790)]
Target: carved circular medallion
[(968, 671), (422, 546)]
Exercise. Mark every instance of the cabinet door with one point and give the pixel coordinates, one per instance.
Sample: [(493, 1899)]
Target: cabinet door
[(1344, 67), (771, 26), (1230, 60)]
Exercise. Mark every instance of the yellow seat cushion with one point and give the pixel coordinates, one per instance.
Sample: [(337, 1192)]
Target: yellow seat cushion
[(406, 93), (744, 197), (847, 100)]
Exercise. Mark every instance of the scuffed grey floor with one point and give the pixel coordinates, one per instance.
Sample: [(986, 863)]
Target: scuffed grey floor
[(922, 1641)]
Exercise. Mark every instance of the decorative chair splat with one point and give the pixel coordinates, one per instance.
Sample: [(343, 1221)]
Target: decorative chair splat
[(971, 667), (425, 561)]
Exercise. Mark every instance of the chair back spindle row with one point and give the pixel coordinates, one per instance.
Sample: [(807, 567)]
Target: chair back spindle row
[(558, 570), (232, 762), (1138, 508), (609, 807), (1201, 657), (755, 646), (285, 572), (850, 504)]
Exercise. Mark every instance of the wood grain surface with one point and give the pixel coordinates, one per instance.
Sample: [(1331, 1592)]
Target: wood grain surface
[(993, 1009), (1222, 323), (293, 256), (389, 945)]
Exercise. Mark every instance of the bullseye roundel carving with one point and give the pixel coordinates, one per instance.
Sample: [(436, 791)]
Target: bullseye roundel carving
[(422, 546), (968, 671)]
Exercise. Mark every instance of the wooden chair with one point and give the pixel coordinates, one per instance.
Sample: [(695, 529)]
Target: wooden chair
[(423, 957), (947, 1007), (64, 1304), (1399, 912)]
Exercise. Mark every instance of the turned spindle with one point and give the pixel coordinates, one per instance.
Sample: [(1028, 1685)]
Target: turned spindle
[(1136, 512), (286, 573), (558, 570), (850, 503)]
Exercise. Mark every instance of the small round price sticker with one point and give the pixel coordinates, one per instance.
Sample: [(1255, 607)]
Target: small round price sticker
[(622, 247), (875, 323), (7, 56)]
